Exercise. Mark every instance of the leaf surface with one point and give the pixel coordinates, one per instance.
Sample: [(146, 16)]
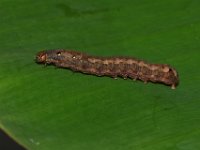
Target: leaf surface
[(44, 108)]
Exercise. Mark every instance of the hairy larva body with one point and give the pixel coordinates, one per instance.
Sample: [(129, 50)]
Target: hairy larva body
[(125, 67)]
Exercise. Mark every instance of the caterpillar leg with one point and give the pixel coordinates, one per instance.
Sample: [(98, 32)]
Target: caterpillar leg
[(124, 76), (145, 80), (133, 76), (173, 87), (114, 77)]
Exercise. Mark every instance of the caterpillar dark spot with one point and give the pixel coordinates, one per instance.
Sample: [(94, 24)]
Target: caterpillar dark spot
[(125, 67)]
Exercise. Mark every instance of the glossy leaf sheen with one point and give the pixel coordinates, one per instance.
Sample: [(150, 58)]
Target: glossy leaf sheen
[(44, 108)]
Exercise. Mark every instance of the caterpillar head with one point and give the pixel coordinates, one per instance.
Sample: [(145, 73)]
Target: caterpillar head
[(41, 57)]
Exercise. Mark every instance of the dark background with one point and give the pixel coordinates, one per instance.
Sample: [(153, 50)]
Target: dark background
[(7, 143)]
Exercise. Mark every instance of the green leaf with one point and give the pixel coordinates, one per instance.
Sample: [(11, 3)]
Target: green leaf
[(44, 108)]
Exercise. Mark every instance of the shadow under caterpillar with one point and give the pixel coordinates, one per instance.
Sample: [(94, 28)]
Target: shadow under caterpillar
[(125, 67)]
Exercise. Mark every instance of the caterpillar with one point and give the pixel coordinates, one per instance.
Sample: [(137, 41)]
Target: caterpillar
[(125, 67)]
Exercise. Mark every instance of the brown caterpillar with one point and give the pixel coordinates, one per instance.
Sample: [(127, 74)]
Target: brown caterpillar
[(125, 67)]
